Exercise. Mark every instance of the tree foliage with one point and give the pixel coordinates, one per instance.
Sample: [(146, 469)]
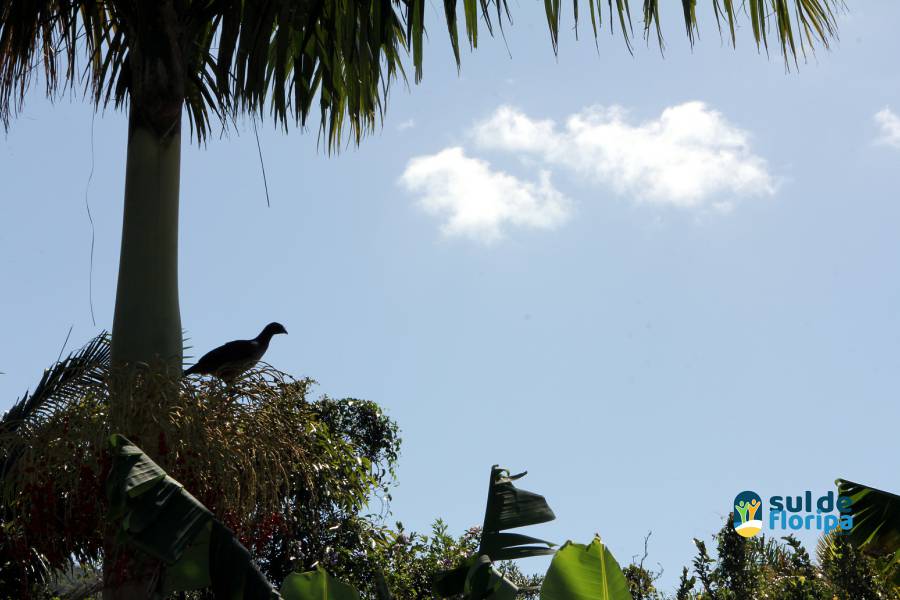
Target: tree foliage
[(289, 58), (408, 561), (289, 474), (764, 567)]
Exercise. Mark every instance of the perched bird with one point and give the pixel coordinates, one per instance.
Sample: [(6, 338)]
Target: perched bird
[(229, 361)]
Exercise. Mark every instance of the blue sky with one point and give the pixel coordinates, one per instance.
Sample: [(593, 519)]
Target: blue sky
[(652, 282)]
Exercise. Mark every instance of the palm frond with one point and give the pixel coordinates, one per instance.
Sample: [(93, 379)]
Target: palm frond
[(65, 382), (287, 59), (61, 40)]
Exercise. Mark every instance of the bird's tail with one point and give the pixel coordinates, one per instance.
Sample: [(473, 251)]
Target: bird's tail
[(191, 371)]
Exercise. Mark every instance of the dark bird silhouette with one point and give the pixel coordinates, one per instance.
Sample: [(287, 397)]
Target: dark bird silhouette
[(229, 361)]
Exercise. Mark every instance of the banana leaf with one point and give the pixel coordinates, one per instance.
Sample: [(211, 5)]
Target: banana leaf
[(876, 521), (484, 581), (510, 546), (316, 585), (452, 582), (580, 572), (876, 517), (507, 507), (158, 516)]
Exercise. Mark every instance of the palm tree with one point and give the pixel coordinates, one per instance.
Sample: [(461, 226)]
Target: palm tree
[(215, 59)]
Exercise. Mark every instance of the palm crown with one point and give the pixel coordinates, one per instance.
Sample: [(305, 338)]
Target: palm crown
[(219, 58)]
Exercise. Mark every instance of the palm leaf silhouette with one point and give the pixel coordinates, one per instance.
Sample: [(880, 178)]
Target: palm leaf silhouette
[(66, 381)]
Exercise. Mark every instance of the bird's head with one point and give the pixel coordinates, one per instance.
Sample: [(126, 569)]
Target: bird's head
[(272, 329)]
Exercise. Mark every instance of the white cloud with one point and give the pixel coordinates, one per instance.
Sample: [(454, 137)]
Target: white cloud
[(889, 125), (690, 156), (407, 124), (479, 202)]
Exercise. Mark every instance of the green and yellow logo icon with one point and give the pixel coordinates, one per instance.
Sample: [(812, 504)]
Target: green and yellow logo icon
[(748, 514)]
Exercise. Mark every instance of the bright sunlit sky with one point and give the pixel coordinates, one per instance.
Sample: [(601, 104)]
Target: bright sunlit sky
[(653, 282)]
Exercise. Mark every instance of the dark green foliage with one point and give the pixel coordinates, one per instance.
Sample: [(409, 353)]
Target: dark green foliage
[(641, 583), (685, 585), (703, 567), (876, 523), (735, 571), (409, 561), (363, 425), (760, 567), (288, 59), (852, 573), (641, 580), (326, 527)]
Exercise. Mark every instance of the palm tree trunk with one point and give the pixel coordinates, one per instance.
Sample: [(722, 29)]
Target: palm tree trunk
[(147, 322)]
